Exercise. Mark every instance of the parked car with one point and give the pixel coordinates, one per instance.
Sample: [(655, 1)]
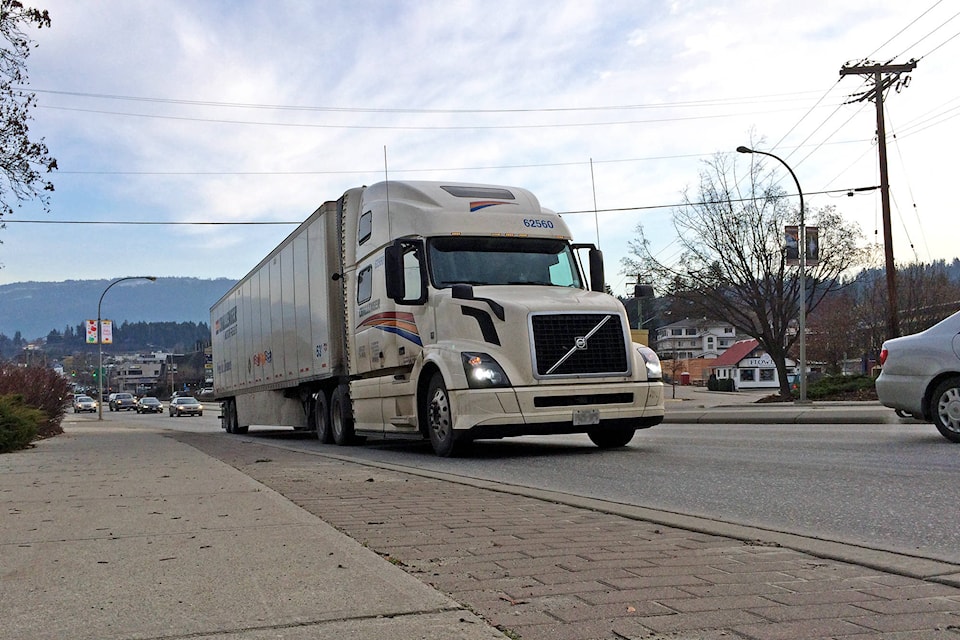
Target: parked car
[(122, 402), (149, 404), (185, 406), (84, 403), (920, 376)]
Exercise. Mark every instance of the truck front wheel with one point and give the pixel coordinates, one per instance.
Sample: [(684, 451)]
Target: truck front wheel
[(341, 416), (611, 438), (440, 418)]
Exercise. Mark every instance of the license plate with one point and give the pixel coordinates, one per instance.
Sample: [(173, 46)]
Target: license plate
[(583, 417)]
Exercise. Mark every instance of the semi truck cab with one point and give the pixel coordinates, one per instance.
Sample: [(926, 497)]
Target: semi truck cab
[(471, 315)]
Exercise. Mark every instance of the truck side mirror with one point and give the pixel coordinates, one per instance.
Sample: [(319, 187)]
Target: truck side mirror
[(393, 272), (596, 270), (405, 277)]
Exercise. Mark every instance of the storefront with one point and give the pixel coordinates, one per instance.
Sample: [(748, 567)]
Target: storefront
[(750, 367)]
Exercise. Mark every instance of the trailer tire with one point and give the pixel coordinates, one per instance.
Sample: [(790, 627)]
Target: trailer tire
[(230, 418), (341, 417), (320, 418), (440, 418)]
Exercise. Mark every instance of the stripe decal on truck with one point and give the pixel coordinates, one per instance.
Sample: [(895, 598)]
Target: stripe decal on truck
[(396, 322), (477, 205)]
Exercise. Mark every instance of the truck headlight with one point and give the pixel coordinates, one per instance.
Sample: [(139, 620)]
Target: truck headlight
[(483, 372), (652, 362)]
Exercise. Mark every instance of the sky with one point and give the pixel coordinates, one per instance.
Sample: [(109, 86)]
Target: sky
[(167, 116)]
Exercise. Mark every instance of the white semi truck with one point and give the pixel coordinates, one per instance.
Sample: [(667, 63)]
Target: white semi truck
[(437, 310)]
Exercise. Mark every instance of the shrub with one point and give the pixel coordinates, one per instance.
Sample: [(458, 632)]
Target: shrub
[(42, 389), (834, 386), (720, 384), (18, 423)]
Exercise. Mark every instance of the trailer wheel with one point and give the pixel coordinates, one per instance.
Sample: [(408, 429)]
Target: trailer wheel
[(440, 418), (320, 418), (341, 417), (230, 418), (229, 415)]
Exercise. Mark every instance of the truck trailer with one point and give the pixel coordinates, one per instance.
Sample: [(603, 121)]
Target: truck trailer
[(435, 310)]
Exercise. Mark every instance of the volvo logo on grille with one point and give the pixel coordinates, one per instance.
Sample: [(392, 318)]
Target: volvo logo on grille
[(579, 344)]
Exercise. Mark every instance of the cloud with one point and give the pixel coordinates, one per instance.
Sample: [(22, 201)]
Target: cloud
[(260, 111)]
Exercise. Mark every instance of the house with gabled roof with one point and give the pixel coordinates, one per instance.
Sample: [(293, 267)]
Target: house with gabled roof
[(749, 366)]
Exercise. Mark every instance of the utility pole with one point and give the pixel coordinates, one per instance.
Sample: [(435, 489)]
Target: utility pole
[(884, 76)]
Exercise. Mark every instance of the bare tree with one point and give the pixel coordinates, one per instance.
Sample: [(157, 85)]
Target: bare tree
[(732, 264), (926, 294), (832, 330), (21, 159)]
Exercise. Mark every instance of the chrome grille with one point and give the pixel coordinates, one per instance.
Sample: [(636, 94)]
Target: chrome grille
[(573, 344)]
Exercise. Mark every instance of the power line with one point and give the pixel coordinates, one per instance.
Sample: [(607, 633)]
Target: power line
[(502, 167), (374, 127), (910, 24), (328, 109), (297, 222)]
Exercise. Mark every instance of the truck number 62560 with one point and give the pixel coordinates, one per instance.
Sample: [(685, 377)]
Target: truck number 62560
[(537, 224)]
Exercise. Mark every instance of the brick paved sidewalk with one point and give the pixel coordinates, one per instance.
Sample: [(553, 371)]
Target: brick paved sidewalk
[(543, 571)]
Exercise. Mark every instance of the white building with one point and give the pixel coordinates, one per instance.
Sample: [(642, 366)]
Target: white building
[(690, 339), (138, 374), (750, 366)]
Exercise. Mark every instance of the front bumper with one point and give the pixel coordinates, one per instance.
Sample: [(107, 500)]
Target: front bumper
[(545, 409)]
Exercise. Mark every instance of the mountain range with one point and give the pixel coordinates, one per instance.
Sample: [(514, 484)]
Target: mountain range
[(34, 309)]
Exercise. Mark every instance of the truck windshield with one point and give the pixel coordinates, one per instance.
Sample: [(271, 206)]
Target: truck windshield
[(481, 261)]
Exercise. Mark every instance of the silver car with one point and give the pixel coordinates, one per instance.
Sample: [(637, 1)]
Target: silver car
[(921, 376)]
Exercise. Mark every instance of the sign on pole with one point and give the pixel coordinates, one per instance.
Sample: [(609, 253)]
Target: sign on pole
[(106, 330), (91, 331), (813, 245), (791, 238)]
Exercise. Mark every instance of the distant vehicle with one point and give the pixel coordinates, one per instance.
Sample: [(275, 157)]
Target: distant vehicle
[(921, 376), (149, 404), (122, 402), (185, 406), (84, 403), (206, 393)]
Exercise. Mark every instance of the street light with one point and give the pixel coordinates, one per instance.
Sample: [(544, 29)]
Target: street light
[(803, 269), (100, 339)]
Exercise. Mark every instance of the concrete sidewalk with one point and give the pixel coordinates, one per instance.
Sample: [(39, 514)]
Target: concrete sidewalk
[(692, 404), (548, 566), (116, 531)]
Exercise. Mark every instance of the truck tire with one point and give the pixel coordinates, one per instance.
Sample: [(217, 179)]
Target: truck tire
[(231, 421), (320, 418), (440, 418), (945, 409), (341, 417), (611, 438)]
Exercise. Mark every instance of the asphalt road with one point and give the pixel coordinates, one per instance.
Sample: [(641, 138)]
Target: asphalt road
[(880, 486)]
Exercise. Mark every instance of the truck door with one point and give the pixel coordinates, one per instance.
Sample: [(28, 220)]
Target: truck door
[(410, 322)]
